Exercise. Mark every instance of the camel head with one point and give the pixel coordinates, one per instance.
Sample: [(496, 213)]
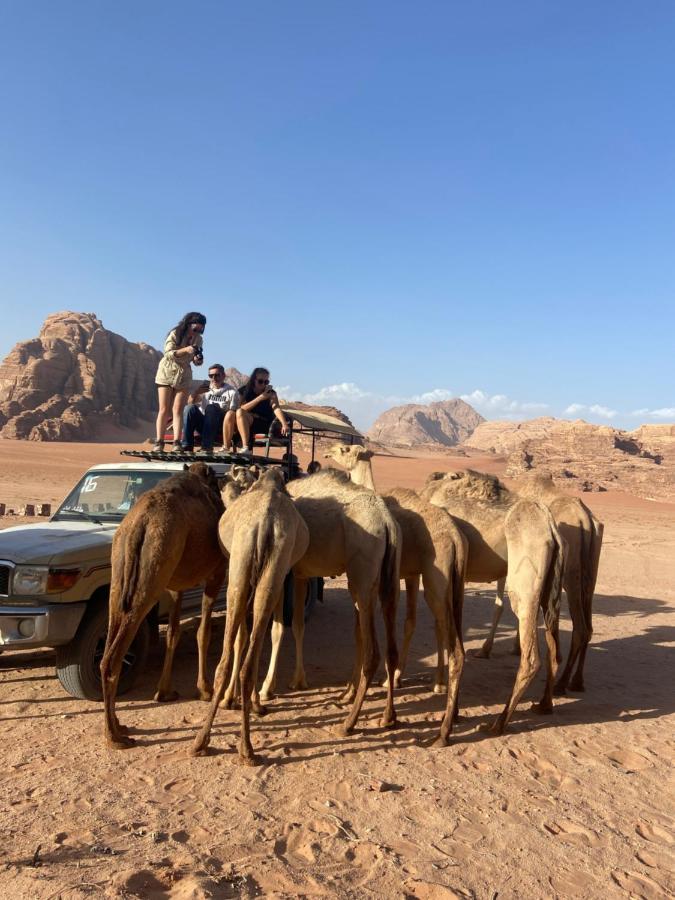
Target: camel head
[(348, 455), (273, 477), (244, 475), (470, 484), (205, 473)]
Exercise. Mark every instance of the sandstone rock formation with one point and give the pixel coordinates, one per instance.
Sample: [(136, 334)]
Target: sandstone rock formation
[(447, 422), (585, 457), (73, 379)]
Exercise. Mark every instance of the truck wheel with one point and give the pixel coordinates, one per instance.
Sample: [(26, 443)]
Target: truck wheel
[(78, 663)]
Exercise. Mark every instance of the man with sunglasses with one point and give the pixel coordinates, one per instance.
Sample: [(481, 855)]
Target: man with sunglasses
[(208, 409)]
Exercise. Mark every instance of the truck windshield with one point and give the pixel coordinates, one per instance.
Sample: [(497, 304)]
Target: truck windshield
[(107, 496)]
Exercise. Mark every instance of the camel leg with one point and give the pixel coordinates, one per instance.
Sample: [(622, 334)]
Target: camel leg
[(455, 666), (371, 659), (299, 681), (526, 613), (204, 684), (230, 698), (486, 649), (347, 696), (267, 691), (236, 617), (545, 705), (121, 632), (577, 681), (164, 693), (248, 671), (435, 592), (412, 586), (388, 719)]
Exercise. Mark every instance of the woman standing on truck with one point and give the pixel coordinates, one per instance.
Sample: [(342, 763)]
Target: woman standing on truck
[(183, 346)]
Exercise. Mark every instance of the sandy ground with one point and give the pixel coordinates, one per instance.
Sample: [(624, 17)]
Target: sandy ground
[(576, 804)]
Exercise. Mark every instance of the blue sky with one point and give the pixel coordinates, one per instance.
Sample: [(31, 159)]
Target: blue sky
[(380, 201)]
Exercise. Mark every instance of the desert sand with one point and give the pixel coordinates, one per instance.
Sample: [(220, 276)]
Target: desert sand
[(574, 804)]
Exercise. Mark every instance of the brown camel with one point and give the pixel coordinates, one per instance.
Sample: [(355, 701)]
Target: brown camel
[(433, 547), (583, 535), (504, 532), (264, 536), (352, 531), (168, 541)]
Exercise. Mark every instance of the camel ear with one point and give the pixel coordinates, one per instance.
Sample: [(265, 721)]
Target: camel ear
[(365, 454), (186, 468)]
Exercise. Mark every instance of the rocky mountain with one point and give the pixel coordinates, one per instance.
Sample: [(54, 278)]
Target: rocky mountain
[(584, 456), (447, 422), (73, 379)]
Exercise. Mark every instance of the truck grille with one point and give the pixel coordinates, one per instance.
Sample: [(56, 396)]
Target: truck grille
[(4, 580)]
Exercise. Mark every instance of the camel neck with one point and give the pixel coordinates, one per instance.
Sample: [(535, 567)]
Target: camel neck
[(362, 474)]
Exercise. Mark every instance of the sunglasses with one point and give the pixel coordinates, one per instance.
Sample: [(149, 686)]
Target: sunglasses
[(198, 328), (262, 381), (216, 374)]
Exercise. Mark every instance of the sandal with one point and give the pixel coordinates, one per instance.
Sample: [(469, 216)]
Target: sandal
[(177, 447), (158, 447)]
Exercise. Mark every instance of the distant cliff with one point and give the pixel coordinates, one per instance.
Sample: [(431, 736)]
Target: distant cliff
[(74, 378), (448, 422)]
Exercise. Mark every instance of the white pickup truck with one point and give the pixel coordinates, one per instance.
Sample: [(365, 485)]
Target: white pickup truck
[(55, 577)]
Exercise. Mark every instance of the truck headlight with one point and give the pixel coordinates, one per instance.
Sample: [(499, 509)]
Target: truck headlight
[(30, 580)]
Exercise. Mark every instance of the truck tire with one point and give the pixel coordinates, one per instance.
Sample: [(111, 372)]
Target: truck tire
[(78, 663)]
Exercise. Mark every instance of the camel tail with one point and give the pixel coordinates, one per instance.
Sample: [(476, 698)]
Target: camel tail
[(130, 554), (592, 531), (391, 564), (262, 550), (458, 579), (550, 600)]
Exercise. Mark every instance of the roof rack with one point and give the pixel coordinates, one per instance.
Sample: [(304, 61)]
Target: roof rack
[(206, 457)]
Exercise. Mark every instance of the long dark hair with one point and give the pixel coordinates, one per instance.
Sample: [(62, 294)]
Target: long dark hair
[(191, 318), (247, 391)]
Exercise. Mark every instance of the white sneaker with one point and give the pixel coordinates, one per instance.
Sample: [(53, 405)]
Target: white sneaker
[(245, 452)]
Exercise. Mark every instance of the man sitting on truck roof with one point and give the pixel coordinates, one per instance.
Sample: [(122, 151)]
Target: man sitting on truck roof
[(207, 410)]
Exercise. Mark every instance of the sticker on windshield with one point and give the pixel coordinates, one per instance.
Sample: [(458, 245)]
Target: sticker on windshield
[(90, 484)]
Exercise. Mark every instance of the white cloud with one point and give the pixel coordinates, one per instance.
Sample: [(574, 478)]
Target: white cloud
[(595, 409), (665, 412), (363, 407)]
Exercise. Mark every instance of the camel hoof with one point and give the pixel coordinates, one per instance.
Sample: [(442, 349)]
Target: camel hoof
[(440, 742), (494, 729), (388, 723), (347, 697), (343, 730), (204, 694), (266, 696), (121, 742), (439, 688), (122, 729), (199, 749), (228, 702), (480, 653), (259, 709), (166, 696), (542, 708), (248, 760)]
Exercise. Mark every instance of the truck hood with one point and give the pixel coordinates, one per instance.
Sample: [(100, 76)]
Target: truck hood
[(55, 541)]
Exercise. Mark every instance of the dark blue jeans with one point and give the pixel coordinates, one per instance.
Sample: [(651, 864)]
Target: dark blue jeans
[(208, 424)]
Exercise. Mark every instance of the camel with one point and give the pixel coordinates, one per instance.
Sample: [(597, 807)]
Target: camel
[(433, 547), (583, 535), (168, 541), (263, 535), (350, 530), (506, 531)]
